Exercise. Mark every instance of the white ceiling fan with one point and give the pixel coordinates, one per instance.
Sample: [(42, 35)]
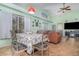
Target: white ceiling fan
[(64, 8)]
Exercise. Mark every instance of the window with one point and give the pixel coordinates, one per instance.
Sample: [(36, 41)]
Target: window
[(18, 23)]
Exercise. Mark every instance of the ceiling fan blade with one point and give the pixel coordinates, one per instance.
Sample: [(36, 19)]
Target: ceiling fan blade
[(64, 8), (67, 7), (61, 8)]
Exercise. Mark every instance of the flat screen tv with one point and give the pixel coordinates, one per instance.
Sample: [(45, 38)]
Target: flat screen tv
[(71, 25)]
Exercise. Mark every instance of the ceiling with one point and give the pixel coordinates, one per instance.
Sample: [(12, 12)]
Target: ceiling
[(40, 5), (52, 7)]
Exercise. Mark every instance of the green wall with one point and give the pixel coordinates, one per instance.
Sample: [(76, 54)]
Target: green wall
[(5, 42), (10, 8)]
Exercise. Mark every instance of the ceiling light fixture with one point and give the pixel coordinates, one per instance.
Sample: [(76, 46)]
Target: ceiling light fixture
[(31, 10)]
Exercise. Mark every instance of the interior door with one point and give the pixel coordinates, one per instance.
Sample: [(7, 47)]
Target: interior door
[(60, 28)]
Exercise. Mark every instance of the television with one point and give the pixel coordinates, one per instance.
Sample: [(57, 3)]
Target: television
[(71, 25)]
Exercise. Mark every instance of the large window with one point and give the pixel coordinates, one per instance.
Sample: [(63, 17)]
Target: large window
[(18, 23)]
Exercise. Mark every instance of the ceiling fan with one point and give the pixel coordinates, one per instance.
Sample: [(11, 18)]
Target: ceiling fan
[(64, 8)]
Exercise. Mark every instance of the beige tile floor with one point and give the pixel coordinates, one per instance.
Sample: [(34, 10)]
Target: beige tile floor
[(66, 48)]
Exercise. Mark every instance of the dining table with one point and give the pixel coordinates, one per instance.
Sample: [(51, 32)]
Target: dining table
[(30, 39)]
